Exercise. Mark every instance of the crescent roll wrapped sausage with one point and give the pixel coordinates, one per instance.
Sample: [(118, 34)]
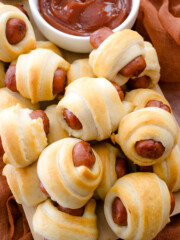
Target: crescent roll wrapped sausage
[(169, 170), (70, 170), (23, 137), (38, 75), (56, 132), (114, 166), (51, 223), (142, 98), (79, 68), (24, 184), (116, 52), (17, 35), (9, 98), (147, 136), (138, 206), (91, 109)]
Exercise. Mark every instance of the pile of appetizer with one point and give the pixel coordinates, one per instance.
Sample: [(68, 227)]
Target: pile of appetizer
[(101, 134)]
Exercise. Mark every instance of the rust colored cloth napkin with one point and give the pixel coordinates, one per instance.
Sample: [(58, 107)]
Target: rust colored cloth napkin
[(159, 21), (13, 223)]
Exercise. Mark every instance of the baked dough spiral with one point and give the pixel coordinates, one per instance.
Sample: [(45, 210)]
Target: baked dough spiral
[(108, 154), (140, 97), (97, 105), (23, 138), (9, 52), (9, 99), (56, 132), (144, 124), (114, 53), (66, 184), (24, 184), (64, 226), (169, 170), (146, 199), (35, 72), (79, 68)]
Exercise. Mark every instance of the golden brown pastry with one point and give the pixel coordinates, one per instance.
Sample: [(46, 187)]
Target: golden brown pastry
[(142, 98), (145, 206), (79, 68), (169, 170), (56, 132), (23, 138), (24, 184), (35, 74), (91, 109), (9, 98), (118, 50), (49, 45), (65, 226), (114, 166), (147, 136), (13, 44), (2, 75), (69, 184)]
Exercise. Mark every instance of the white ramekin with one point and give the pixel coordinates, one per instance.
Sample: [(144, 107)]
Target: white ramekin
[(70, 42)]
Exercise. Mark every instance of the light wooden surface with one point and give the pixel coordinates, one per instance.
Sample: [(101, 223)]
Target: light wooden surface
[(105, 232)]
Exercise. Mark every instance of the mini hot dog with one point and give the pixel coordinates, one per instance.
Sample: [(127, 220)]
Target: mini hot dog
[(15, 30), (140, 82), (73, 212), (72, 121), (119, 213), (83, 155), (159, 104), (121, 167), (149, 148), (41, 114)]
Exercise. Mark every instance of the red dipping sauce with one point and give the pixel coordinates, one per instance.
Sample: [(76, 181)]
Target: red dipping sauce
[(82, 17)]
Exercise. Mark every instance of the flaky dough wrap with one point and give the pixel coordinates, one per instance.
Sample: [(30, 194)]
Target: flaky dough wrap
[(116, 52), (147, 201), (23, 138), (79, 68), (9, 99), (35, 72), (66, 184), (51, 223), (169, 170), (56, 132), (97, 105), (9, 52), (144, 124), (24, 184)]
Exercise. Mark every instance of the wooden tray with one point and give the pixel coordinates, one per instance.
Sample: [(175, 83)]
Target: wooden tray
[(105, 233)]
